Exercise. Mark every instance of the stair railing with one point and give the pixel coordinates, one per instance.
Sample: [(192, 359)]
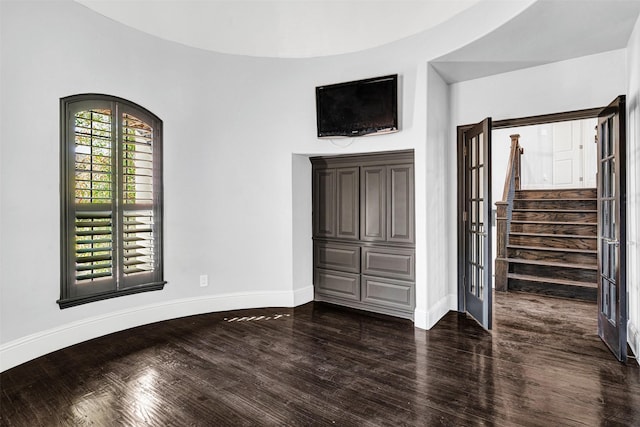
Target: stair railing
[(504, 209)]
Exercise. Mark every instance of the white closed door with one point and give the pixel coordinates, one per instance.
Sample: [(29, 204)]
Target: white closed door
[(567, 155)]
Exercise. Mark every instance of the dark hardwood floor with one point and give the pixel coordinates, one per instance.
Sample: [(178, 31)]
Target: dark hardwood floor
[(543, 365)]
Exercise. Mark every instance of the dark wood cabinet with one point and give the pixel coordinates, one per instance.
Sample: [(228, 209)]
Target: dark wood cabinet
[(363, 231), (337, 256), (324, 201), (337, 284), (335, 202), (374, 212), (387, 203), (395, 263), (400, 204), (393, 294), (347, 206)]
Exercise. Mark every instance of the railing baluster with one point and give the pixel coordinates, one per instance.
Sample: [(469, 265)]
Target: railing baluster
[(504, 209)]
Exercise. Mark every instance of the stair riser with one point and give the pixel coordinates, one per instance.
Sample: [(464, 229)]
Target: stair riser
[(554, 242), (555, 204), (551, 272), (554, 256), (551, 289), (573, 229), (555, 216), (578, 193), (575, 242)]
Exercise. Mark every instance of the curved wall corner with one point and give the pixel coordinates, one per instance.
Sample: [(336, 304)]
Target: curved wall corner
[(40, 343)]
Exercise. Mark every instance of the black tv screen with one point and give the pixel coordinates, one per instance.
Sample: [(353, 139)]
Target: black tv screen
[(357, 108)]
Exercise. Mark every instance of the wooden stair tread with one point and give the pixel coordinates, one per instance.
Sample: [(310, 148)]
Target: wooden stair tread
[(547, 248), (551, 280), (556, 190), (562, 217), (522, 221), (551, 263), (573, 236), (589, 199), (557, 210), (559, 189)]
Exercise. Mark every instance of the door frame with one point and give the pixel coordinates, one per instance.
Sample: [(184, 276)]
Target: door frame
[(460, 174), (478, 306), (588, 113), (612, 228)]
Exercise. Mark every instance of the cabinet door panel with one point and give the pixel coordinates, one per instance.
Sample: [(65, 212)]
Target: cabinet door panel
[(336, 284), (400, 214), (389, 293), (337, 257), (389, 262), (373, 200), (348, 203), (324, 206)]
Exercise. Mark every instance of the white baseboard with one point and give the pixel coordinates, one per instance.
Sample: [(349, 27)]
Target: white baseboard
[(633, 338), (302, 296), (426, 319), (35, 345)]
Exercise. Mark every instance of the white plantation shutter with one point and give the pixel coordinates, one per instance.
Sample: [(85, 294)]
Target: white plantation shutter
[(138, 245), (112, 204), (138, 191), (93, 233), (93, 161), (93, 190)]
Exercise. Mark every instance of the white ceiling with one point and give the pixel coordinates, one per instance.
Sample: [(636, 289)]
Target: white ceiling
[(547, 31), (285, 28)]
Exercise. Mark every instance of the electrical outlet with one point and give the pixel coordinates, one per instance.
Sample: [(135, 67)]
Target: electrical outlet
[(204, 280)]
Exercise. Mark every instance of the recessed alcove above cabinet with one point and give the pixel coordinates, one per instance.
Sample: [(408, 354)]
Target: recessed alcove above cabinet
[(363, 231)]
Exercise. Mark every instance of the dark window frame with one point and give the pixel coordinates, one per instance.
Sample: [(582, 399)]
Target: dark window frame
[(121, 275)]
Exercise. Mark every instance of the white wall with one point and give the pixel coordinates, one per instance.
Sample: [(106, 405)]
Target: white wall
[(440, 225), (536, 162), (538, 142), (227, 183), (633, 188), (238, 132), (552, 88), (302, 229)]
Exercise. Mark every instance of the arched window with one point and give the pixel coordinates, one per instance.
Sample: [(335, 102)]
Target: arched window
[(111, 210)]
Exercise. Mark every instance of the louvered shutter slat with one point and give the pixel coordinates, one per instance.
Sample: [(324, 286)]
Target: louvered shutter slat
[(97, 275), (93, 258), (92, 267), (93, 187), (138, 228), (93, 251), (81, 242), (90, 250)]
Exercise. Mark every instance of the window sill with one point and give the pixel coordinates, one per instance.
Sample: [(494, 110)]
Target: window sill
[(72, 302)]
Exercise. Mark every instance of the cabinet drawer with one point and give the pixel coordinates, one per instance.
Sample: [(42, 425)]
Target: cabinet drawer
[(337, 284), (339, 257), (389, 262), (388, 292)]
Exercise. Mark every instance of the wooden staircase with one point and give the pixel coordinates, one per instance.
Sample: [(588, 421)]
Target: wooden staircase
[(552, 245)]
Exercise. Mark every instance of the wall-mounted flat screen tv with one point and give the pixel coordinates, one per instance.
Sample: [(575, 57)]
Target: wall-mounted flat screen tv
[(356, 108)]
